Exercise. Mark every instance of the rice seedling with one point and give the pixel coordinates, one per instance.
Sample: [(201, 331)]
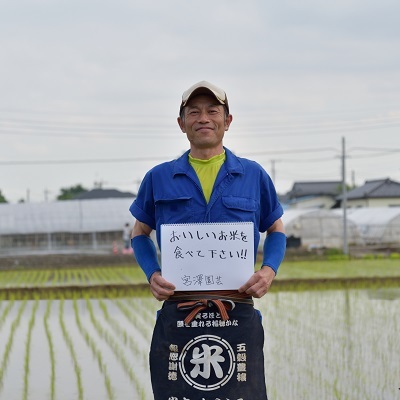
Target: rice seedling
[(71, 348), (5, 312), (117, 350), (104, 275), (330, 344), (45, 277), (6, 279), (8, 346), (320, 344), (123, 335), (95, 351), (51, 350), (27, 349), (133, 318), (58, 277), (148, 315), (9, 279)]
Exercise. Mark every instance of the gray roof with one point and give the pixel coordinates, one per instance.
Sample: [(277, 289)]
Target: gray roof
[(315, 188), (103, 194), (375, 189)]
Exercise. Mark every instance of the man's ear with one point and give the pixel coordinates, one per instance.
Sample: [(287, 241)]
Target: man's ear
[(228, 121), (181, 124)]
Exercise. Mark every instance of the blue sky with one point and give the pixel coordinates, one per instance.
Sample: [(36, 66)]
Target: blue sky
[(90, 90)]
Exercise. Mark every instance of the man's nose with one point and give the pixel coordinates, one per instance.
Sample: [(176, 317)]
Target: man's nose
[(203, 116)]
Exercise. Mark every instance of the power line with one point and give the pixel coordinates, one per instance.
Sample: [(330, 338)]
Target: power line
[(308, 161), (145, 122), (391, 150), (312, 150), (141, 159), (253, 112), (86, 161), (385, 153), (166, 133), (91, 135), (146, 159), (160, 129)]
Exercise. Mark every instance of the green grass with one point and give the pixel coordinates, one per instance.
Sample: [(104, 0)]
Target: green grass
[(121, 281), (339, 269)]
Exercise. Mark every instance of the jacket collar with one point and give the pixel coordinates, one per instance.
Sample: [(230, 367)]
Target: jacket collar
[(232, 164)]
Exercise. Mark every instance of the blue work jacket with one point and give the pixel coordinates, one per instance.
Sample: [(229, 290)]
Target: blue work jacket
[(171, 193)]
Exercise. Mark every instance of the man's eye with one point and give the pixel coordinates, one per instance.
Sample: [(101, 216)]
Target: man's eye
[(193, 112)]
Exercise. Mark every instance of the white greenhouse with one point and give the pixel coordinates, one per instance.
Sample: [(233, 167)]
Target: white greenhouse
[(377, 225), (64, 225), (96, 225), (318, 228), (324, 228)]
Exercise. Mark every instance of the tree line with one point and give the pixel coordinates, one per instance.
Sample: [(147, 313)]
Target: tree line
[(67, 193)]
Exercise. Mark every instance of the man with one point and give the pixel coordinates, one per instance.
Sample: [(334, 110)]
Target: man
[(218, 351), (126, 235)]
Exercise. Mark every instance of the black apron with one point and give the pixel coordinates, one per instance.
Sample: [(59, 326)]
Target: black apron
[(208, 358)]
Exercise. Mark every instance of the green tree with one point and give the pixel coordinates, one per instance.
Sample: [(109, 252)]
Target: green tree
[(348, 187), (2, 198), (71, 192)]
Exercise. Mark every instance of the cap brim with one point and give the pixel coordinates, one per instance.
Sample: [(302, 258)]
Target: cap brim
[(204, 88)]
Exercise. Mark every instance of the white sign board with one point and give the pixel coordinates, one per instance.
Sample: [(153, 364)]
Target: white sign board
[(208, 256)]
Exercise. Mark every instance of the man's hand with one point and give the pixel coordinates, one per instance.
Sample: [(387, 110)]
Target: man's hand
[(161, 288), (259, 283)]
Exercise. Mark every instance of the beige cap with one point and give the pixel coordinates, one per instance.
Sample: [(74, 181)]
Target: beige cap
[(204, 87)]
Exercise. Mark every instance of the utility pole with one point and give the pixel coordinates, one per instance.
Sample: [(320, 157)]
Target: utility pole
[(46, 195), (273, 170), (344, 198), (138, 183), (353, 179)]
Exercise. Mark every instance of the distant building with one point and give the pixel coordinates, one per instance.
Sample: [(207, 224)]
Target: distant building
[(374, 193), (67, 226), (313, 194), (103, 194)]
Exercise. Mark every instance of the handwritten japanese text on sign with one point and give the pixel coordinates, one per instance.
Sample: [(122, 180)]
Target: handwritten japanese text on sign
[(214, 256)]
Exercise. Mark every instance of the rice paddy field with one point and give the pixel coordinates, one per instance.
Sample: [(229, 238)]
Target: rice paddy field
[(80, 334)]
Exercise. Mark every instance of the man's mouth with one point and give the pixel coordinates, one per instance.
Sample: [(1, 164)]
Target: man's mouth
[(203, 128)]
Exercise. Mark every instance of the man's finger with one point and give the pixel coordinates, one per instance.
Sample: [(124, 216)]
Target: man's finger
[(160, 281), (248, 284)]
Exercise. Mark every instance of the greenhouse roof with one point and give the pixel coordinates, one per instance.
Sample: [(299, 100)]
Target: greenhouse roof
[(374, 215), (373, 222), (291, 215), (371, 215), (110, 215)]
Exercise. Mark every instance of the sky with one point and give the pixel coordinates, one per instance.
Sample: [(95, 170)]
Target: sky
[(90, 90)]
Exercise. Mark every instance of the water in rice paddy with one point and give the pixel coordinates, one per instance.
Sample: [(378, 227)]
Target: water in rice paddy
[(333, 344)]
